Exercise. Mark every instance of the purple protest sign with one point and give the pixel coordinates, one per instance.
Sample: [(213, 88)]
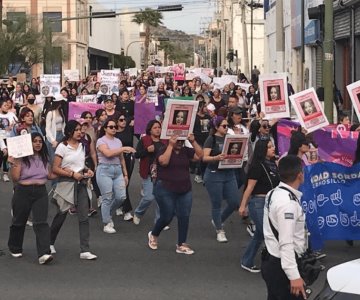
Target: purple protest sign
[(144, 112), (334, 145), (77, 108)]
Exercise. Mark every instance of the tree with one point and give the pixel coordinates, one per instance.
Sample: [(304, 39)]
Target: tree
[(168, 48), (150, 18), (19, 45)]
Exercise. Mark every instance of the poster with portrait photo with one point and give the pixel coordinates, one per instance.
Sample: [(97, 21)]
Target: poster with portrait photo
[(354, 92), (109, 82), (49, 85), (71, 75), (179, 71), (274, 96), (235, 148), (179, 118), (309, 110)]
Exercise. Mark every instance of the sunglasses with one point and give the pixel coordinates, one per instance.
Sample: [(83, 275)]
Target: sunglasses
[(266, 126), (224, 126), (31, 98), (121, 120), (112, 127)]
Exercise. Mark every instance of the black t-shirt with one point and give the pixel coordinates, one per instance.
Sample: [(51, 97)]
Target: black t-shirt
[(201, 128), (216, 149), (126, 109), (126, 137), (263, 185)]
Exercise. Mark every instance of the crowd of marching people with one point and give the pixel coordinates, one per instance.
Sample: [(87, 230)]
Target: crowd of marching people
[(88, 163)]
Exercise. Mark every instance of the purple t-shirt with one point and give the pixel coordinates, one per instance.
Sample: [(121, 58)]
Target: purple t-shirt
[(112, 144), (35, 172), (175, 176)]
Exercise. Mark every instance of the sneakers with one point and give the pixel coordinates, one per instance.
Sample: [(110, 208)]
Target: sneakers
[(88, 256), (220, 236), (128, 216), (152, 241), (253, 269), (16, 255), (198, 179), (166, 228), (184, 249), (6, 177), (318, 255), (92, 212), (52, 249), (108, 228), (119, 212), (29, 223), (136, 220), (251, 229), (46, 258)]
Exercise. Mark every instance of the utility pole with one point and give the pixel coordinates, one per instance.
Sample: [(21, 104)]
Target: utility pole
[(245, 39), (1, 12), (328, 60)]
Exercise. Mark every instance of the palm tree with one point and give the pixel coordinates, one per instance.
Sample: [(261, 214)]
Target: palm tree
[(168, 48), (150, 18)]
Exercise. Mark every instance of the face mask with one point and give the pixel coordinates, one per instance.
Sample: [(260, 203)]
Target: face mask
[(31, 101)]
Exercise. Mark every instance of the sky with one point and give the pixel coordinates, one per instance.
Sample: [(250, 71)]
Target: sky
[(193, 17)]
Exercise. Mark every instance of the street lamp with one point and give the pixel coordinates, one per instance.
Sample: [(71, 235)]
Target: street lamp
[(252, 6)]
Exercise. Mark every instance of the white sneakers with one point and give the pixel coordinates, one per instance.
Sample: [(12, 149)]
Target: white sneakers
[(6, 177), (88, 256), (128, 216), (119, 212), (46, 258), (198, 179), (109, 228), (52, 249), (16, 255), (220, 236), (136, 220)]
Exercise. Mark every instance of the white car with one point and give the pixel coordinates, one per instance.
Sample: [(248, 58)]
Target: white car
[(343, 282)]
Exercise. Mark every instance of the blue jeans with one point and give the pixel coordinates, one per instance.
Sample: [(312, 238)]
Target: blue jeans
[(171, 204), (222, 185), (256, 213), (112, 187), (147, 199)]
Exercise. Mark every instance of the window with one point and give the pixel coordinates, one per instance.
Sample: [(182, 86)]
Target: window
[(55, 26), (15, 21)]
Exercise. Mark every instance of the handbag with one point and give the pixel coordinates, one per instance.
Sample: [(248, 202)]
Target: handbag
[(308, 266)]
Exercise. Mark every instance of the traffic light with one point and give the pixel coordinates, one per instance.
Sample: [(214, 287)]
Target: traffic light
[(230, 55)]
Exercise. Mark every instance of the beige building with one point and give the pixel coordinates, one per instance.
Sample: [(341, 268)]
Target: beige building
[(69, 37)]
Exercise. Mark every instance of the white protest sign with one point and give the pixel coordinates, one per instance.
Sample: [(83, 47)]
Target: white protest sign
[(109, 82), (86, 99), (72, 75), (20, 146), (49, 85)]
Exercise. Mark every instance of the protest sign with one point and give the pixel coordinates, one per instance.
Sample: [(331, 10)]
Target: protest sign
[(20, 146), (77, 108), (309, 110), (109, 82), (179, 71), (152, 96), (49, 85), (179, 118), (234, 149), (71, 75), (354, 92), (274, 95), (331, 201), (87, 98), (143, 113)]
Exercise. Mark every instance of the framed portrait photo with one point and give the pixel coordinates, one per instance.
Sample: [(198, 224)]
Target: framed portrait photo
[(235, 147), (354, 92), (309, 110), (274, 96), (179, 118)]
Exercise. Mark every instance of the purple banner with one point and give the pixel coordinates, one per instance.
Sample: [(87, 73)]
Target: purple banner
[(334, 144), (77, 108), (144, 112)]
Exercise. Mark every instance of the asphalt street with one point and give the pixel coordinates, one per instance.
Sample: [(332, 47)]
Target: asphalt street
[(127, 269)]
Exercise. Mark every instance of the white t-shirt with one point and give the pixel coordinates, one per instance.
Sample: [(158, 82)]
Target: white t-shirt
[(74, 159)]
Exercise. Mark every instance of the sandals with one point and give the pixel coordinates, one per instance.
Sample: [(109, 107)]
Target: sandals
[(152, 242)]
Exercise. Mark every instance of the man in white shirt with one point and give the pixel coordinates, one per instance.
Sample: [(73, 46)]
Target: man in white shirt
[(284, 233)]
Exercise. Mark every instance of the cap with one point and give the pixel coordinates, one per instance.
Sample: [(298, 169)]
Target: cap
[(59, 97), (210, 107), (108, 99), (236, 110)]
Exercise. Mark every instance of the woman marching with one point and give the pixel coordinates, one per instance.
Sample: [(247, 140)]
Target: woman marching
[(71, 189), (172, 190), (30, 175), (111, 173)]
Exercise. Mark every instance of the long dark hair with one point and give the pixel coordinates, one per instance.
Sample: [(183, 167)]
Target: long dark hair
[(357, 152), (43, 153), (260, 151), (102, 129)]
